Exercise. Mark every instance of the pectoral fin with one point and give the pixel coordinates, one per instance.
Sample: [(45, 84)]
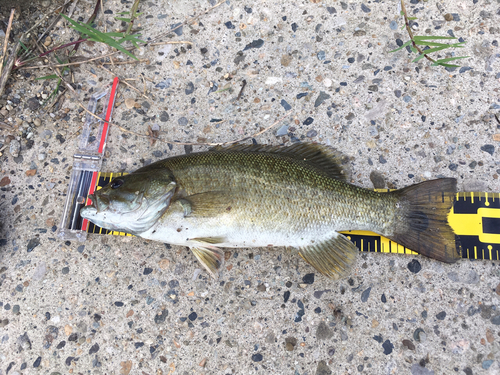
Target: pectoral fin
[(333, 257), (211, 257), (209, 204)]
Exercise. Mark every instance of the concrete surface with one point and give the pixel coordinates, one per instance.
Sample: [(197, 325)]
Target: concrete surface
[(117, 305)]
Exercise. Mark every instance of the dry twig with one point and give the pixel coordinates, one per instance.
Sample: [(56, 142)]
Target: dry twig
[(124, 81), (7, 34)]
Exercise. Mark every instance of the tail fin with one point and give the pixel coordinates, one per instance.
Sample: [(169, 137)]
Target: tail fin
[(424, 226)]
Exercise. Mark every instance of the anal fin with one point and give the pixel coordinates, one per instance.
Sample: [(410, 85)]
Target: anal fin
[(332, 258)]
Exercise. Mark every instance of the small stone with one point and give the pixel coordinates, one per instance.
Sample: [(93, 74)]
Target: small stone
[(255, 44), (441, 315), (282, 131), (416, 369), (366, 294), (419, 335), (129, 103), (147, 271), (257, 357), (377, 180), (323, 369), (286, 60), (497, 289), (321, 55), (33, 104), (4, 181), (448, 17), (94, 349), (393, 25), (164, 116), (408, 344), (414, 266), (308, 121), (15, 148), (388, 346), (285, 105), (490, 149), (321, 98), (495, 320), (308, 279), (65, 270), (365, 9), (34, 242), (183, 121), (37, 362), (160, 318), (189, 88), (323, 332), (290, 343), (192, 317), (311, 133), (486, 364)]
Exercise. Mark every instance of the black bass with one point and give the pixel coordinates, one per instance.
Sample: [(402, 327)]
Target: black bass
[(259, 196)]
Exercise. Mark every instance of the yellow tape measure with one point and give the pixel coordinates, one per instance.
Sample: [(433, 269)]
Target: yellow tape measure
[(475, 217)]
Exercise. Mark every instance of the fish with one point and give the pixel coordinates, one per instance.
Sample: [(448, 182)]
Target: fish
[(295, 196)]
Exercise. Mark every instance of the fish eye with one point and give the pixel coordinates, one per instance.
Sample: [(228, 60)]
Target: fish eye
[(115, 184)]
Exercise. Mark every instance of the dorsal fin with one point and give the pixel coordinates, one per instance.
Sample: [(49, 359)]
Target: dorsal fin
[(325, 158)]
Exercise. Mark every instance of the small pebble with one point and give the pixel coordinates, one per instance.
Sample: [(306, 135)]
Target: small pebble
[(308, 121), (308, 279), (321, 98), (285, 105), (366, 294), (414, 266)]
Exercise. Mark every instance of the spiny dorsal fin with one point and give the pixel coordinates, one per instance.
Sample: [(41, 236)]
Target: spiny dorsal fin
[(325, 158), (333, 258)]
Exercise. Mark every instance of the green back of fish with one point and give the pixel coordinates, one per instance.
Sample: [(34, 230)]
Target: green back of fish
[(294, 187)]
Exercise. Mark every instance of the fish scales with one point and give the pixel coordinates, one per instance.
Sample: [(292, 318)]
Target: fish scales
[(254, 196), (271, 192)]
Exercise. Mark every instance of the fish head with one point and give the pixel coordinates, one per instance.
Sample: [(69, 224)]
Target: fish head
[(131, 203)]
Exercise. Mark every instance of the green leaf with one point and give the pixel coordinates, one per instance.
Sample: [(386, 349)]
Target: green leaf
[(122, 19), (403, 46), (447, 65), (52, 76), (450, 59), (430, 37), (23, 46), (97, 36), (412, 18), (413, 49), (434, 44), (123, 13)]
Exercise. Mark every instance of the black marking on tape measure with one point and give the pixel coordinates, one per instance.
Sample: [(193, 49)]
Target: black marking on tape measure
[(469, 205), (491, 225)]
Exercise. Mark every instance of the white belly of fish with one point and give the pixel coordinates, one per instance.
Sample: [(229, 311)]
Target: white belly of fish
[(176, 229)]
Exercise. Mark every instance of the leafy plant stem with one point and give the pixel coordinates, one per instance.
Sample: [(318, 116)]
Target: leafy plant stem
[(89, 22), (410, 33), (132, 16)]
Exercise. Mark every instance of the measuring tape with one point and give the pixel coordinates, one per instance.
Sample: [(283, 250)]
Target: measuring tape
[(475, 217)]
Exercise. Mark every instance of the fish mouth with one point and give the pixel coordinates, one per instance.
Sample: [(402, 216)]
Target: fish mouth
[(99, 203)]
